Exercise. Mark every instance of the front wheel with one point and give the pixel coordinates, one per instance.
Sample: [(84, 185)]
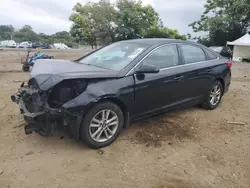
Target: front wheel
[(102, 125), (214, 97)]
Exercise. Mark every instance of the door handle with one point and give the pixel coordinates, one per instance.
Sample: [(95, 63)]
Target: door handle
[(209, 70), (178, 78)]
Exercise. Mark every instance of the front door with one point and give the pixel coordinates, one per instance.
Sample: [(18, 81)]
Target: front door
[(155, 91)]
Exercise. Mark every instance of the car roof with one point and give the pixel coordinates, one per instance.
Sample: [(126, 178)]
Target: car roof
[(159, 41)]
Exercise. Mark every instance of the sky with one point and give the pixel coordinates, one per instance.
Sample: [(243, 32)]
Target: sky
[(50, 16)]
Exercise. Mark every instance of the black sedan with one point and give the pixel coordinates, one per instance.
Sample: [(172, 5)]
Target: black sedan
[(103, 92)]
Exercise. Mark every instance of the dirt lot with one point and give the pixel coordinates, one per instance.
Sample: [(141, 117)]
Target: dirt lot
[(183, 149)]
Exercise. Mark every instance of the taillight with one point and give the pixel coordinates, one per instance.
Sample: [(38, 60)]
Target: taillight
[(229, 63)]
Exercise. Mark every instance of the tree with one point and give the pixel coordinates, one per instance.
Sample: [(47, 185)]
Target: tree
[(93, 22), (134, 20), (26, 33), (6, 32), (164, 33), (47, 39), (63, 37), (104, 23), (224, 20), (26, 28)]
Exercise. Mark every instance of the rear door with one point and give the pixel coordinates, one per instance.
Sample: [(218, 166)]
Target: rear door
[(197, 71), (156, 91)]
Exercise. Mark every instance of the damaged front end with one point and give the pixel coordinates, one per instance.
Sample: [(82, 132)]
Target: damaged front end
[(44, 109)]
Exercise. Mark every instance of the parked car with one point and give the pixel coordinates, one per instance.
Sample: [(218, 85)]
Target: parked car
[(26, 44), (41, 45), (223, 50), (61, 46), (8, 44), (37, 45), (103, 92)]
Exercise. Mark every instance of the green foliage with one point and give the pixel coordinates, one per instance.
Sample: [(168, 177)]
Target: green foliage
[(105, 23), (224, 20), (26, 33), (64, 37), (6, 32), (93, 21), (47, 39), (134, 20), (164, 33), (205, 41)]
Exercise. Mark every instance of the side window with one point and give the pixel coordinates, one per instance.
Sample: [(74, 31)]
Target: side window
[(192, 54), (211, 55), (163, 57)]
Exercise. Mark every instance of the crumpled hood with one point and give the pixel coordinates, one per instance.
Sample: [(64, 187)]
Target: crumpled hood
[(48, 73)]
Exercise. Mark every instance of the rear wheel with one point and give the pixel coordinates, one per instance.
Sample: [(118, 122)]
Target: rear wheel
[(214, 97), (102, 125)]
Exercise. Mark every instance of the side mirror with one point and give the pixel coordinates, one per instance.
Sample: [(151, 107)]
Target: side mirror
[(145, 68)]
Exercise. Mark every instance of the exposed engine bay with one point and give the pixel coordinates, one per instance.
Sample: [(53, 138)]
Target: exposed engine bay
[(43, 107), (35, 99), (65, 91)]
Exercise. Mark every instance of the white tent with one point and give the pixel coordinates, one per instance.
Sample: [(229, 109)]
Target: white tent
[(241, 48)]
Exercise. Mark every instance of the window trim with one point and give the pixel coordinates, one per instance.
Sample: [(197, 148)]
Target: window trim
[(181, 60)]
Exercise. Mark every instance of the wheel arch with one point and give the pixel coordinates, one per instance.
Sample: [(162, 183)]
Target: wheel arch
[(121, 104), (221, 80)]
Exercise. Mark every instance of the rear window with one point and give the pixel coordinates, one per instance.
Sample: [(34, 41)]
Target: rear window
[(217, 49), (211, 55), (192, 54)]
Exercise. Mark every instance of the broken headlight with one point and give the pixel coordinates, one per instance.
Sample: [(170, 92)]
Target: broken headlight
[(66, 91)]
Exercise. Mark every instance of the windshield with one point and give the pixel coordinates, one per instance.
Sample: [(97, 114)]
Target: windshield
[(115, 56), (216, 48)]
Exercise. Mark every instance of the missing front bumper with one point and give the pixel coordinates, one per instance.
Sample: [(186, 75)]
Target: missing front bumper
[(42, 122)]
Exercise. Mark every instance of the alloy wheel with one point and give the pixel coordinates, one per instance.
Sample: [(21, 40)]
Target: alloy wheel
[(215, 95), (103, 125)]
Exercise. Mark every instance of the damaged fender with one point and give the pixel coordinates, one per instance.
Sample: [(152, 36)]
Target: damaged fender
[(120, 91)]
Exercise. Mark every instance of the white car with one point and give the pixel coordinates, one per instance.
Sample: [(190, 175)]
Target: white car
[(26, 44), (8, 44), (61, 46)]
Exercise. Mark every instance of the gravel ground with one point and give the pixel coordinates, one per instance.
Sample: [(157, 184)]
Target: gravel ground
[(181, 149)]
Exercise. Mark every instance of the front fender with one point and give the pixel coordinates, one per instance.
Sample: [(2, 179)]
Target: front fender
[(122, 89), (90, 96)]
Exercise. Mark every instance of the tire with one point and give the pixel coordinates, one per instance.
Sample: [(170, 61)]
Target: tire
[(207, 103), (26, 68), (87, 132)]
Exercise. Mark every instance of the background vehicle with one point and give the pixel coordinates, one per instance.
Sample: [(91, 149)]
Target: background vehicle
[(26, 44), (225, 51), (41, 45), (8, 44), (101, 93), (61, 46)]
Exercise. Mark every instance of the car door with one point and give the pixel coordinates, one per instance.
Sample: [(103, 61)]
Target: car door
[(197, 71), (156, 91)]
